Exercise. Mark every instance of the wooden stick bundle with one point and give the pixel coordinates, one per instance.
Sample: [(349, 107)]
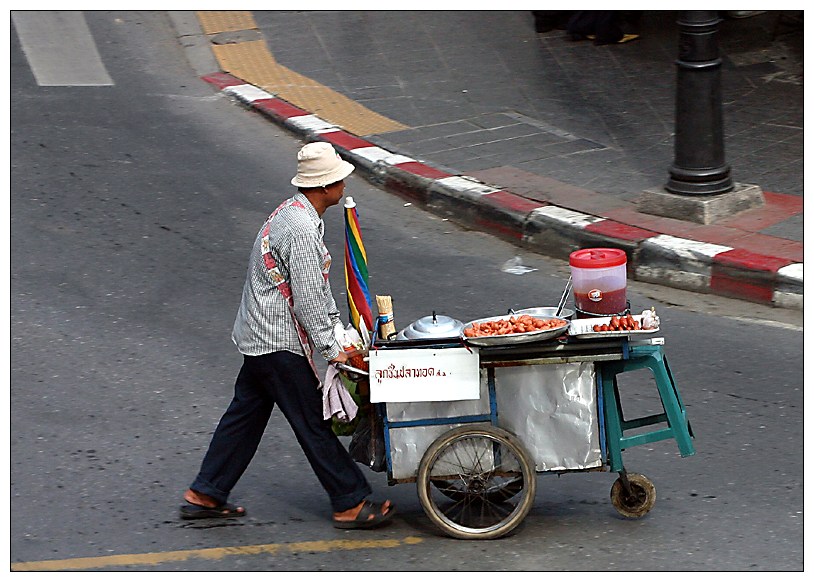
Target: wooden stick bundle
[(387, 325)]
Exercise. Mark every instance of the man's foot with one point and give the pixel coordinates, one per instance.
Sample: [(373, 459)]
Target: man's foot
[(202, 506), (191, 511), (366, 515)]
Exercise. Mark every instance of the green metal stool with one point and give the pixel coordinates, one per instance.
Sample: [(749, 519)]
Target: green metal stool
[(678, 427)]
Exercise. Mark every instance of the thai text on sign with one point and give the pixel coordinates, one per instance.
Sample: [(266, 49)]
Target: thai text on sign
[(424, 375)]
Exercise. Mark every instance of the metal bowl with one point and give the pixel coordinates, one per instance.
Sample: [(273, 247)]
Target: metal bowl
[(512, 338), (543, 312), (355, 375), (351, 372)]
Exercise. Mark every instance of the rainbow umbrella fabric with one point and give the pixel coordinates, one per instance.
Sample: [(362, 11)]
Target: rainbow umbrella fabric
[(356, 273)]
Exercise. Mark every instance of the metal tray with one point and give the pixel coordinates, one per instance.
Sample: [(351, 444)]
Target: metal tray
[(511, 338), (584, 328)]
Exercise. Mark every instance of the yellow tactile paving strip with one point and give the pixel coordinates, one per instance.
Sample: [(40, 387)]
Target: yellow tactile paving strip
[(249, 60), (252, 62), (215, 22)]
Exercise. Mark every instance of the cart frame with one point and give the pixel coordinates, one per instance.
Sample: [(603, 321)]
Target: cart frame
[(633, 495)]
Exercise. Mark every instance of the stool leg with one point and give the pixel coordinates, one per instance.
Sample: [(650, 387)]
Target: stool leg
[(613, 417), (673, 407), (677, 393)]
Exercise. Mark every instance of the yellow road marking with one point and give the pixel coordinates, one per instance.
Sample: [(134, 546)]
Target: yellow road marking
[(156, 558), (252, 62)]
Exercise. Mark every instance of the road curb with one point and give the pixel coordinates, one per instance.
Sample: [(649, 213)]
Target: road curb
[(540, 227)]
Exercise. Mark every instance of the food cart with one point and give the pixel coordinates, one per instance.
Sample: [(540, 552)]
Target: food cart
[(474, 420)]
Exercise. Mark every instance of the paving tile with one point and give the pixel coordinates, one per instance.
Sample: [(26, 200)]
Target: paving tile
[(772, 246), (660, 224), (779, 207)]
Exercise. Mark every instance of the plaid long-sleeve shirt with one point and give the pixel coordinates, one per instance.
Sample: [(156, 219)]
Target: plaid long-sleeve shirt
[(288, 250)]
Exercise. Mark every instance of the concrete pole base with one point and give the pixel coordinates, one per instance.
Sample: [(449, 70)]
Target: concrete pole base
[(700, 209)]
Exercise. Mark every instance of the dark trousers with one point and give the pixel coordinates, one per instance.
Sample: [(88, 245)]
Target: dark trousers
[(287, 380)]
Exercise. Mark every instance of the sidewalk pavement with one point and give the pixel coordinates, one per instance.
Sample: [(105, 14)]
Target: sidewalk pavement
[(534, 138)]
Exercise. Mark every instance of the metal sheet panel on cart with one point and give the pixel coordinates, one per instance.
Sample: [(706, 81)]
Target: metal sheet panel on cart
[(553, 410)]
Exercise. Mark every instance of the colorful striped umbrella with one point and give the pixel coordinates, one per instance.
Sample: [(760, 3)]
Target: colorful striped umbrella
[(356, 272)]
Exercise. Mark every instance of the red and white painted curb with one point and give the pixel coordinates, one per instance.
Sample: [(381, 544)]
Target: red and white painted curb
[(538, 226)]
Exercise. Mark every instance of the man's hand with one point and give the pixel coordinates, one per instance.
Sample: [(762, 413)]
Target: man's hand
[(340, 359)]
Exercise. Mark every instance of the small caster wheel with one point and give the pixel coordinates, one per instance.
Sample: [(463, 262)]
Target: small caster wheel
[(636, 502)]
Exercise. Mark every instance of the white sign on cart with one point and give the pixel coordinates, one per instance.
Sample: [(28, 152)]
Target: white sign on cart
[(424, 375)]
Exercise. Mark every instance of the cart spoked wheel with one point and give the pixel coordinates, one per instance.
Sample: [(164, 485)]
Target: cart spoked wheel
[(476, 482), (637, 500), (497, 492)]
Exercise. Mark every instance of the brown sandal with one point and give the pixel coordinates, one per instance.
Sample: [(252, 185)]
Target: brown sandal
[(364, 520), (193, 511)]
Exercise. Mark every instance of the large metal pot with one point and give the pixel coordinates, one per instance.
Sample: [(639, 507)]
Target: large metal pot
[(544, 312), (432, 327)]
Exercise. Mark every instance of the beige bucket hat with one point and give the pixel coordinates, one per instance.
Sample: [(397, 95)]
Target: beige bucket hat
[(318, 164)]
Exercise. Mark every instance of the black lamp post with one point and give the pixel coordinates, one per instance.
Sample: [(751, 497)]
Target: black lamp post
[(699, 167)]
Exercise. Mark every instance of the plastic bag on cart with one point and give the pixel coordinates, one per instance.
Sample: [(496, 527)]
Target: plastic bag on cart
[(367, 443)]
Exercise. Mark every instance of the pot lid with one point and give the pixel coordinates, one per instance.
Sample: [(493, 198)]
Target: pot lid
[(433, 326), (597, 258)]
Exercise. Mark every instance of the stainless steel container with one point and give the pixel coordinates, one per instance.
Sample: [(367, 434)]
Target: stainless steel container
[(545, 312)]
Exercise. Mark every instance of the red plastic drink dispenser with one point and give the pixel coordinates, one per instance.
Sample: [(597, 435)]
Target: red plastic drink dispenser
[(599, 279)]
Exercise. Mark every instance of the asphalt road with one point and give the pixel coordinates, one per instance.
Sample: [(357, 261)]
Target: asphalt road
[(133, 209)]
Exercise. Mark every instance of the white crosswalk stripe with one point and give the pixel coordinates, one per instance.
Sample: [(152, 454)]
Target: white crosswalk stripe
[(60, 48)]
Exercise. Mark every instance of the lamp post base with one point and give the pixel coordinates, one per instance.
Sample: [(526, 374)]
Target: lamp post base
[(700, 209)]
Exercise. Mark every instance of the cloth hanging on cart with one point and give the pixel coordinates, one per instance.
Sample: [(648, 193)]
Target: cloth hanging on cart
[(336, 399)]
